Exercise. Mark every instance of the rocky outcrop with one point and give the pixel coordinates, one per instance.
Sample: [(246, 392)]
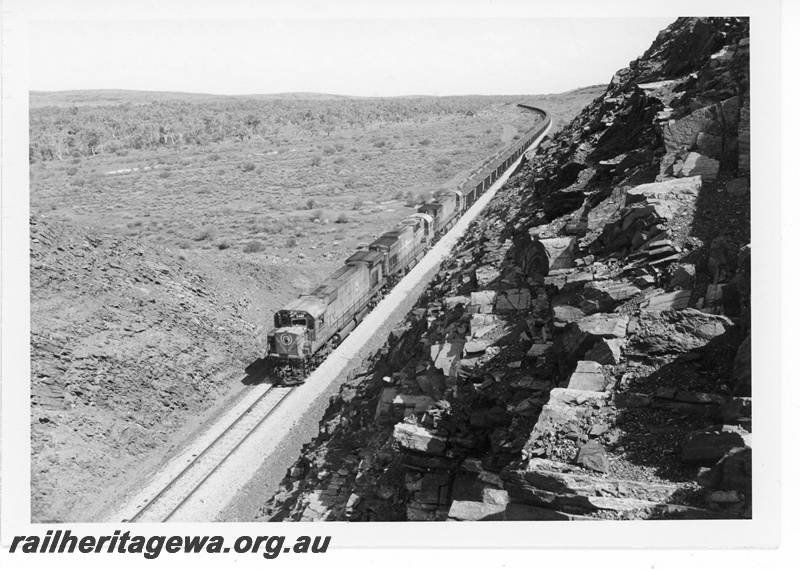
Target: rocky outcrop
[(594, 372)]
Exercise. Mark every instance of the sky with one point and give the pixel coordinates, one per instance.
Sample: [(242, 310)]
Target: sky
[(347, 52)]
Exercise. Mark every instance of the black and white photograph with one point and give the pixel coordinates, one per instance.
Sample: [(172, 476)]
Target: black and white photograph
[(453, 279)]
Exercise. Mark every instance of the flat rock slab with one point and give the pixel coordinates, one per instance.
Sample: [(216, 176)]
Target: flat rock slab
[(416, 438), (674, 331), (581, 335), (593, 456), (565, 314), (471, 511), (697, 164), (667, 189), (446, 355), (482, 302), (474, 347), (682, 133), (677, 300), (549, 476), (513, 300), (587, 377)]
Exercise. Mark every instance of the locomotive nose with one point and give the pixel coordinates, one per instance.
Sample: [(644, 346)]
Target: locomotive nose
[(289, 341)]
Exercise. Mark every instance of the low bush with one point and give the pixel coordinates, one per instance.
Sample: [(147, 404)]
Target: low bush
[(317, 215), (223, 244), (72, 171), (248, 166), (342, 218), (291, 242), (255, 246), (205, 233)]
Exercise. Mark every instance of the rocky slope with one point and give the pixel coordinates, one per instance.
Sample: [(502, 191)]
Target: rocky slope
[(131, 347), (585, 351)]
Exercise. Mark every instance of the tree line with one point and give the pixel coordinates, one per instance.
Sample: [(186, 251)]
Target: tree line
[(58, 133)]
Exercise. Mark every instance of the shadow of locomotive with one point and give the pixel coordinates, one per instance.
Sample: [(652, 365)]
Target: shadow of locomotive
[(257, 372)]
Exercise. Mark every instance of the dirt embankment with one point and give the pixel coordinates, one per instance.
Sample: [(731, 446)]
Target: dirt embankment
[(131, 347), (585, 351)]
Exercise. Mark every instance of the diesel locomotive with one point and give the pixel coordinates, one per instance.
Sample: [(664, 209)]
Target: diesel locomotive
[(312, 325)]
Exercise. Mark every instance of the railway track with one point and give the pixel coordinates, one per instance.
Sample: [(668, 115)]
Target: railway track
[(177, 491), (171, 498)]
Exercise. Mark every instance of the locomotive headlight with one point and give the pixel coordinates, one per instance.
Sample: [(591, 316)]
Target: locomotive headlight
[(286, 339)]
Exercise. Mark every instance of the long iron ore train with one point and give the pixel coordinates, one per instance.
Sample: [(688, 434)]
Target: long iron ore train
[(312, 325)]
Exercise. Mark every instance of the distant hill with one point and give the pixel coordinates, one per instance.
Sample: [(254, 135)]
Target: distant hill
[(99, 97)]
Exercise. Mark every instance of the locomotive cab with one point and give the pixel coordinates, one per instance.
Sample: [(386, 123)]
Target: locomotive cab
[(296, 329)]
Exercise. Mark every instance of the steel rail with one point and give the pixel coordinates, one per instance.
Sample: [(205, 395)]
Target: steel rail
[(205, 452)]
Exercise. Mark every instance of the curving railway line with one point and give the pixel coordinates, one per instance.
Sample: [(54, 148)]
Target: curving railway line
[(186, 479)]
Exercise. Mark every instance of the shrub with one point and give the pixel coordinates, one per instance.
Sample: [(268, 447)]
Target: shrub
[(317, 215), (311, 203), (254, 246), (214, 157), (398, 195), (425, 142), (224, 244), (342, 218), (358, 204), (164, 173), (205, 233), (316, 160), (291, 242), (328, 150), (72, 171), (248, 166), (338, 146)]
